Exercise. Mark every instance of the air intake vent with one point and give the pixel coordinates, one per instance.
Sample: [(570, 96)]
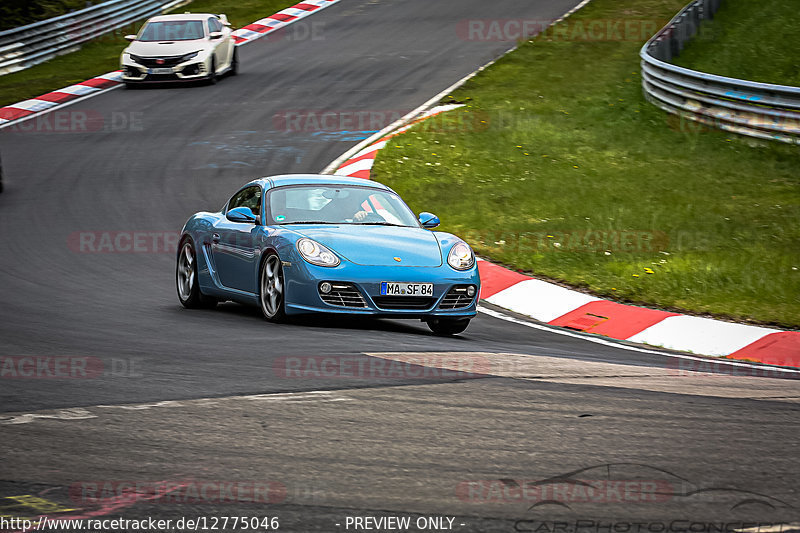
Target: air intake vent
[(343, 295), (403, 302), (457, 298)]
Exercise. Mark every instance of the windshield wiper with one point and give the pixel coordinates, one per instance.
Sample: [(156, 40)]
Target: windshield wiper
[(307, 222), (381, 224)]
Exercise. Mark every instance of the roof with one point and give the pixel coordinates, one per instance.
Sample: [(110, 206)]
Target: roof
[(182, 16), (312, 179)]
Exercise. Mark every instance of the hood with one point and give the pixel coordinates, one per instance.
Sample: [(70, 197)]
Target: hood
[(378, 245), (171, 48)]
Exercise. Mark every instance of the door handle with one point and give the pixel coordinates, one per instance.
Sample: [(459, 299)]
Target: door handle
[(215, 237)]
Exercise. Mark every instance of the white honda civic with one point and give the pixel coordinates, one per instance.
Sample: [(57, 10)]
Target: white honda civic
[(191, 46)]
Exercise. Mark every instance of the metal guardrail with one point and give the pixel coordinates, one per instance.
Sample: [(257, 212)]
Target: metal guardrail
[(35, 43), (745, 107)]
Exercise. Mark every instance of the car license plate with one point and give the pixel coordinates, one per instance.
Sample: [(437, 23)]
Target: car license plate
[(159, 71), (390, 288)]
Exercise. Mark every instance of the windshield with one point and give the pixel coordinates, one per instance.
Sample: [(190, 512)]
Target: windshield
[(338, 204), (172, 30)]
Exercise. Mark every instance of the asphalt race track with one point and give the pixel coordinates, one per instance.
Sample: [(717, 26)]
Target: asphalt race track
[(185, 397)]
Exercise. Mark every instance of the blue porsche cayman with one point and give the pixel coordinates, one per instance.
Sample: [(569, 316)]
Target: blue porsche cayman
[(298, 244)]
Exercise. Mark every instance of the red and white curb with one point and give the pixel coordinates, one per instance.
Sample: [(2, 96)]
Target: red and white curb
[(280, 19), (48, 102), (68, 95), (558, 306)]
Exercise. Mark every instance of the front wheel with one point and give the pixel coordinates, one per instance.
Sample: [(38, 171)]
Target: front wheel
[(272, 289), (212, 72), (186, 277), (235, 62), (448, 326)]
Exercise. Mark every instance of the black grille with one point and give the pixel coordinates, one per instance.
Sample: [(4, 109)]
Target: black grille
[(191, 70), (403, 302), (162, 77), (457, 298), (343, 295), (153, 62)]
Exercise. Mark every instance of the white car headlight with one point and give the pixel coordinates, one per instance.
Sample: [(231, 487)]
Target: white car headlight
[(316, 254), (190, 55), (461, 256)]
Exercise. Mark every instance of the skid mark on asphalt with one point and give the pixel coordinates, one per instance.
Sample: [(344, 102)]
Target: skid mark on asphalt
[(97, 410)]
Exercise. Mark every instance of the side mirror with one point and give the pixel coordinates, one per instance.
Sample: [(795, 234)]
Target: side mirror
[(429, 220), (130, 38), (242, 214), (214, 35)]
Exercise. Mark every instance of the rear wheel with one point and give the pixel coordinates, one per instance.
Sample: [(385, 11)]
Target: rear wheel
[(186, 277), (448, 326), (272, 289)]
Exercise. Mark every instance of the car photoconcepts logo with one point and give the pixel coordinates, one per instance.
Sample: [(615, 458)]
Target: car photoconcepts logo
[(618, 488)]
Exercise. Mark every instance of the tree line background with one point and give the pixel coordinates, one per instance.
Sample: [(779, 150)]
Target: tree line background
[(14, 13)]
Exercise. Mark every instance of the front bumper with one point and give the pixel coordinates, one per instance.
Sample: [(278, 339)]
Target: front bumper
[(189, 71), (303, 295)]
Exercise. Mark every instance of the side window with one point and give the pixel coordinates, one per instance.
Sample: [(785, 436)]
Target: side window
[(249, 197), (214, 25)]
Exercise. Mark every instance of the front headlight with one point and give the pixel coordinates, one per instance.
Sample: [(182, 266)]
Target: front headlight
[(188, 56), (461, 256), (136, 59), (316, 254)]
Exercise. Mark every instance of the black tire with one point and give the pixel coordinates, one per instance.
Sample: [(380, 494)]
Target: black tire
[(186, 278), (272, 289), (212, 76), (448, 326), (234, 62)]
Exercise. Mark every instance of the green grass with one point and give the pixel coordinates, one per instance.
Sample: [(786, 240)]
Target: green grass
[(557, 141), (102, 54), (755, 41)]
